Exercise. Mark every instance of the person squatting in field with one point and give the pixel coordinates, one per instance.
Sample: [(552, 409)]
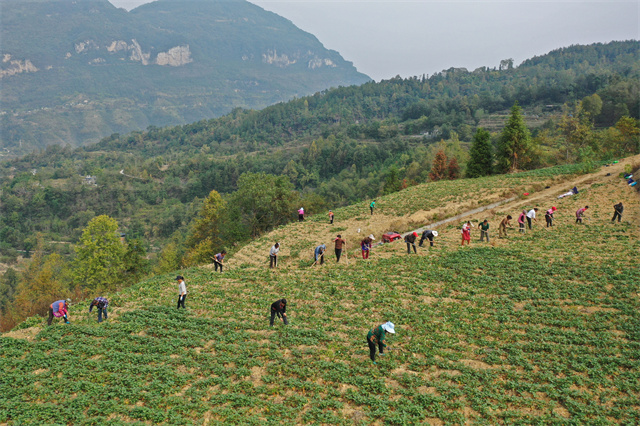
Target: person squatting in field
[(182, 289), (502, 228), (279, 308), (101, 303), (58, 309), (548, 216), (428, 235), (410, 239), (339, 242), (273, 255), (377, 337)]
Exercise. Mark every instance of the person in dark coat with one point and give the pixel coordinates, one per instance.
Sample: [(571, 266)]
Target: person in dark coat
[(410, 239), (279, 308), (617, 212), (428, 235)]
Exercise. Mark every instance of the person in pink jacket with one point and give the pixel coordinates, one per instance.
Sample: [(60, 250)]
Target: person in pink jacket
[(521, 218), (59, 309)]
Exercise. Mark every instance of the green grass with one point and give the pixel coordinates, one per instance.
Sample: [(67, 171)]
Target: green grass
[(543, 329)]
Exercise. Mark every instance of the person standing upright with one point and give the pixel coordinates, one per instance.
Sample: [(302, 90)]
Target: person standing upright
[(300, 214), (372, 206), (339, 242), (617, 212), (101, 303), (182, 289), (466, 233), (484, 230), (521, 221), (273, 255), (330, 217), (531, 216)]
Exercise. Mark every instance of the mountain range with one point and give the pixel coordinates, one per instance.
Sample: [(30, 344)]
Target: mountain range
[(73, 72)]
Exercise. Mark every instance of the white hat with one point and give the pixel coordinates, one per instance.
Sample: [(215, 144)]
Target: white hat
[(389, 327), (371, 236), (435, 233)]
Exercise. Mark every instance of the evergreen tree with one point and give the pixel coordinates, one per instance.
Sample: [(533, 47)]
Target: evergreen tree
[(481, 155), (515, 143)]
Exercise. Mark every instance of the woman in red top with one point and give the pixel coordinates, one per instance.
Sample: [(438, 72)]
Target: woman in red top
[(466, 233)]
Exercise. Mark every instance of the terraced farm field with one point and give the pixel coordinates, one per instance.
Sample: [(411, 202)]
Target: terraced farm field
[(539, 328)]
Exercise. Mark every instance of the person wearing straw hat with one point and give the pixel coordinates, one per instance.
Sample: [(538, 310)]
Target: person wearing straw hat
[(428, 235), (279, 308), (182, 288), (377, 337), (548, 216), (410, 239), (101, 303), (484, 230), (58, 309)]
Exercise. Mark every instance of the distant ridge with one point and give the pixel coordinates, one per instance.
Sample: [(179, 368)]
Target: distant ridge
[(74, 72)]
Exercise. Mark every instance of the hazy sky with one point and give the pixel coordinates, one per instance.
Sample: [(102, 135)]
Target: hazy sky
[(388, 38)]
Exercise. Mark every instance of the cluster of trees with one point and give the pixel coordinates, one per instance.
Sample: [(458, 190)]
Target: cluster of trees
[(103, 261)]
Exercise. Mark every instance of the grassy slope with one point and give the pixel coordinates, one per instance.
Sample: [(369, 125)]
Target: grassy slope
[(542, 327)]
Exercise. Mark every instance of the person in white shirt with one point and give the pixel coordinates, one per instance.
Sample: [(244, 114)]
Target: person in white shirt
[(182, 287), (273, 255), (531, 216)]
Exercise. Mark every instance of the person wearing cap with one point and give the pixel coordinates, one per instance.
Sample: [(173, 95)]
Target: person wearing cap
[(580, 214), (300, 214), (339, 242), (410, 239), (279, 308), (330, 217), (377, 337), (273, 255), (428, 235), (531, 215), (101, 303), (218, 260), (548, 216), (59, 309), (466, 233), (365, 245), (319, 254), (502, 228), (182, 288), (617, 212)]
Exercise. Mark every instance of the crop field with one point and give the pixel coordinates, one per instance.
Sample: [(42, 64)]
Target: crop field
[(539, 328)]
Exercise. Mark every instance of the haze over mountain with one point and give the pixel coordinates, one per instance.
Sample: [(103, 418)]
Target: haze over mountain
[(74, 72)]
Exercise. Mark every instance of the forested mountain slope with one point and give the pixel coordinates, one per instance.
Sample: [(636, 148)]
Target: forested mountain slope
[(74, 72)]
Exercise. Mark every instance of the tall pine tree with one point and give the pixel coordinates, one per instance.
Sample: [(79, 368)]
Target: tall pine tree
[(481, 155), (515, 145)]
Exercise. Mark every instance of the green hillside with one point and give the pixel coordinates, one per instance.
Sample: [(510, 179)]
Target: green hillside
[(75, 72), (539, 328)]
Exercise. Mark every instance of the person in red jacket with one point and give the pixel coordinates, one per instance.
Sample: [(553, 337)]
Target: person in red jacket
[(59, 309)]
